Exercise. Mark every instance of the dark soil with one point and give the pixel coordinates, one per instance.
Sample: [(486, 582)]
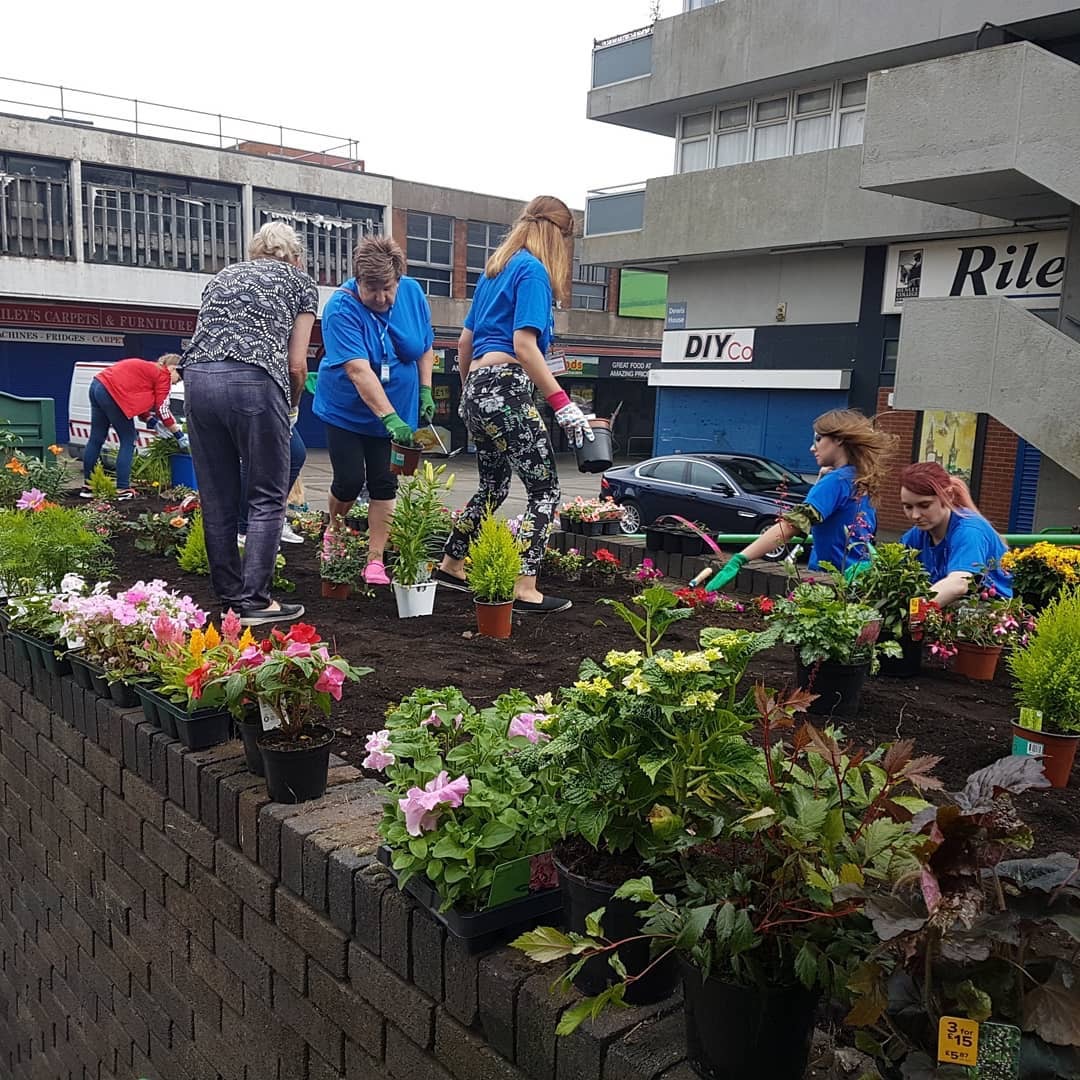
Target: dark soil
[(967, 723)]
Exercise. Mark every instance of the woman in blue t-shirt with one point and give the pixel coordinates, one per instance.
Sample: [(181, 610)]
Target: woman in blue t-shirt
[(501, 356), (954, 541), (838, 510), (374, 385)]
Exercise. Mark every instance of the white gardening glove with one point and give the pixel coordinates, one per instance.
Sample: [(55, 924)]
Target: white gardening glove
[(294, 415), (160, 430), (572, 420)]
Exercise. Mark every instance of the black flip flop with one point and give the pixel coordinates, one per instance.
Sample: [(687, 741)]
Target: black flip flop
[(548, 606), (451, 582)]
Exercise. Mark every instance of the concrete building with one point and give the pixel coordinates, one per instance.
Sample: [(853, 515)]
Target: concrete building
[(871, 204), (110, 229)]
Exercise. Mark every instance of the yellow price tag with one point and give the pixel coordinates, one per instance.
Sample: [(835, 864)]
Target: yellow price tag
[(913, 606), (958, 1041)]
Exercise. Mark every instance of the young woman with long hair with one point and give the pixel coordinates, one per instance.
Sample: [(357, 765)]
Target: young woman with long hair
[(838, 511), (501, 354), (954, 541)]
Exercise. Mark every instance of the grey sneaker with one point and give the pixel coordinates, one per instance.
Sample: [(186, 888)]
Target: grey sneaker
[(262, 616), (289, 535)]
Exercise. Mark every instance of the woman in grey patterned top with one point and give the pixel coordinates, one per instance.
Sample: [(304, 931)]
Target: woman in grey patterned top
[(244, 372)]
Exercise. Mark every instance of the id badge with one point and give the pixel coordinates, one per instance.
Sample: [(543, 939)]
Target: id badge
[(384, 373)]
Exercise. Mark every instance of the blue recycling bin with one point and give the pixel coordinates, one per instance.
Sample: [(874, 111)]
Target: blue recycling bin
[(182, 471)]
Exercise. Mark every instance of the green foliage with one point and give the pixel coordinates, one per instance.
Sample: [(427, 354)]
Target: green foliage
[(342, 556), (660, 609), (104, 519), (894, 577), (21, 472), (151, 466), (38, 547), (279, 582), (419, 525), (102, 486), (161, 533), (1047, 670), (192, 555), (494, 561)]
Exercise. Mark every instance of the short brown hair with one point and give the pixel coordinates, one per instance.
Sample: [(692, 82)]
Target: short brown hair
[(378, 260)]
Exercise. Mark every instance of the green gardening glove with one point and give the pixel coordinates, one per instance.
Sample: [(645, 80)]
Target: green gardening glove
[(855, 569), (399, 431), (427, 405), (727, 573)]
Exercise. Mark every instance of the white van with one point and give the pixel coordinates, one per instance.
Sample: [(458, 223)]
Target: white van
[(79, 410)]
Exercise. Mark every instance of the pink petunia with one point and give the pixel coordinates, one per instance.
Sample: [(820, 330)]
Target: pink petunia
[(448, 791), (433, 719), (524, 726), (379, 756), (330, 681)]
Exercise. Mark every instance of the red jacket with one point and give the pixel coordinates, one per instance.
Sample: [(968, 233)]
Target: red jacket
[(139, 387)]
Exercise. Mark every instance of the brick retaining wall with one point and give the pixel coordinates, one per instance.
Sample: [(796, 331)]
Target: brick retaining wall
[(160, 918)]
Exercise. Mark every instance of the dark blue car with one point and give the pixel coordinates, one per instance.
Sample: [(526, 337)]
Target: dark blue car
[(728, 493)]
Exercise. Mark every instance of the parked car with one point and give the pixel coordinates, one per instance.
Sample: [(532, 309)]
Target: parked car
[(727, 493)]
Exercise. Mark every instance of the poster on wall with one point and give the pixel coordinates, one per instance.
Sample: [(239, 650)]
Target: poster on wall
[(1026, 267), (948, 438)]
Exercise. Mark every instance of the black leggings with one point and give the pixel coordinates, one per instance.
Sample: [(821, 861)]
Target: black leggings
[(357, 458), (498, 410)]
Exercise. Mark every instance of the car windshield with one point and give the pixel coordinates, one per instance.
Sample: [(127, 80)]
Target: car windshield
[(757, 474)]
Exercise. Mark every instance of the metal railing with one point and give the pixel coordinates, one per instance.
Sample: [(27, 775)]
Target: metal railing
[(34, 217), (329, 241), (615, 209), (627, 56), (128, 227)]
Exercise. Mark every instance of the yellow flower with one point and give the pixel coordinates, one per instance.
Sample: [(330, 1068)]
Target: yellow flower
[(701, 699), (197, 644), (680, 663), (616, 659), (56, 450), (212, 637), (713, 655), (597, 687), (246, 638), (636, 681)]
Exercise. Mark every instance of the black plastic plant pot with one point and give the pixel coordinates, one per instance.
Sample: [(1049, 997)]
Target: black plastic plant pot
[(581, 896), (250, 729), (123, 694), (692, 544), (296, 769), (838, 686), (149, 705), (612, 527), (735, 1032), (80, 672), (481, 930), (41, 653), (203, 729), (673, 542), (18, 643), (906, 665), (89, 676), (595, 456), (654, 539)]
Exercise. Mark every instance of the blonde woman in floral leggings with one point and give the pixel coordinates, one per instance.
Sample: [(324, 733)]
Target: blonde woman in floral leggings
[(501, 357)]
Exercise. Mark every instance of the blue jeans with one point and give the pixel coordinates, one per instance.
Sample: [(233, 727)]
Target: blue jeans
[(297, 457), (105, 413), (235, 412)]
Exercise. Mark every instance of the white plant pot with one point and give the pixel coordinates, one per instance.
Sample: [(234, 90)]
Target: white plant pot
[(413, 600)]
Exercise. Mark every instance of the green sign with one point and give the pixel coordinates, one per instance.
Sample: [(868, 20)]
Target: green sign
[(643, 294)]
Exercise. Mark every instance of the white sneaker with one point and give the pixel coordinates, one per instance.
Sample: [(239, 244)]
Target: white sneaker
[(289, 535)]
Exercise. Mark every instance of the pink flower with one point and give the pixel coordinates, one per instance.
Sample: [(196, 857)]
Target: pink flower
[(524, 726), (298, 648), (230, 626), (251, 657), (323, 653), (135, 595), (166, 632), (449, 791), (30, 500), (378, 754), (433, 720), (330, 681), (419, 806), (459, 720)]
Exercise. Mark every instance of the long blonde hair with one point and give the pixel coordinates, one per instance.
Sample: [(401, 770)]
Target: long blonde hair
[(867, 447), (543, 228)]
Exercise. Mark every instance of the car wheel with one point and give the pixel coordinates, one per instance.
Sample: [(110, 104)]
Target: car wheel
[(778, 554), (631, 517)]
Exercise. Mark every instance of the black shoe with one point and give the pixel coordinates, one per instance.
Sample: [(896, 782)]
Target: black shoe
[(548, 606), (451, 582), (85, 493), (261, 616)]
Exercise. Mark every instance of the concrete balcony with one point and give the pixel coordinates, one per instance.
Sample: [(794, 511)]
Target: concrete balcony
[(644, 79), (992, 132), (1002, 360), (803, 201)]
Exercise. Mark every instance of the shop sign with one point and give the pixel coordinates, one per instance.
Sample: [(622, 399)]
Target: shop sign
[(626, 367), (60, 337), (1026, 267), (708, 346), (676, 315), (86, 317), (581, 367)]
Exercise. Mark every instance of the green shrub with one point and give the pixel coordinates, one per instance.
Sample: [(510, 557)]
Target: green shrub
[(1047, 670), (152, 466), (494, 561), (37, 548), (192, 556), (418, 527), (101, 484)]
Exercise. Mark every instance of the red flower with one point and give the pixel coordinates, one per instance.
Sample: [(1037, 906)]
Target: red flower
[(603, 555), (305, 633), (764, 604), (278, 636), (196, 679), (267, 645)]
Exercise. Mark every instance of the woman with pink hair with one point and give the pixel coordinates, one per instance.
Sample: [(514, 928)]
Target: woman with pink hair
[(954, 541)]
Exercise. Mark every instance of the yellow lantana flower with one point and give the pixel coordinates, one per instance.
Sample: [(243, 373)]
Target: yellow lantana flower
[(636, 681), (701, 699), (617, 659), (680, 663), (597, 687)]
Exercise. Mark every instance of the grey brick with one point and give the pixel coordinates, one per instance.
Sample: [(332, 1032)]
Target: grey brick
[(406, 1061), (270, 819), (188, 911), (347, 1010), (197, 840), (159, 762), (412, 1011), (460, 977), (195, 761), (286, 958), (360, 1064), (249, 804), (147, 873), (229, 807), (131, 725), (468, 1057), (341, 870), (102, 767), (683, 1071), (215, 896), (51, 756), (395, 951), (175, 752), (131, 958), (145, 736), (204, 1000), (646, 1051), (223, 1047), (538, 1011), (426, 943), (243, 962), (500, 977), (162, 850), (86, 787), (144, 800), (310, 1023), (582, 1053), (110, 733), (319, 938), (122, 821), (266, 1031), (209, 777), (125, 887), (145, 1005), (249, 881), (320, 1069)]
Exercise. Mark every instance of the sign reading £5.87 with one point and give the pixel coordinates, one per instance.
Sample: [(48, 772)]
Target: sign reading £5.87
[(707, 346)]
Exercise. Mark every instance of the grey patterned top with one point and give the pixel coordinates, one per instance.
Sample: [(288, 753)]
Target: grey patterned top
[(247, 314)]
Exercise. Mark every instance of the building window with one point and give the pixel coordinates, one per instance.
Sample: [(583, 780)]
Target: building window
[(693, 5), (481, 238), (589, 288), (430, 251), (801, 122)]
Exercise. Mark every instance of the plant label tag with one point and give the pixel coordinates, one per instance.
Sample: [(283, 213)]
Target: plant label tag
[(958, 1041), (1026, 748), (1030, 718), (270, 719), (556, 363), (999, 1052)]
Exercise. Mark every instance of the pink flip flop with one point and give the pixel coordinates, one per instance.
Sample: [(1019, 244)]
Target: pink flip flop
[(375, 573)]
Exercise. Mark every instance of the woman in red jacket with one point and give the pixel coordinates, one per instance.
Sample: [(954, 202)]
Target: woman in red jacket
[(127, 389)]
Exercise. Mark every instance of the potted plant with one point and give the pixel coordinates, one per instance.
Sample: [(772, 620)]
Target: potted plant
[(644, 747), (417, 532), (292, 679), (835, 641), (749, 905), (568, 564), (1041, 571), (1046, 673), (467, 832), (34, 627), (405, 457), (492, 572), (601, 567), (341, 562), (893, 579)]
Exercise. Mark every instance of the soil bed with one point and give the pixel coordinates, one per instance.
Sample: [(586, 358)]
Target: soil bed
[(966, 722)]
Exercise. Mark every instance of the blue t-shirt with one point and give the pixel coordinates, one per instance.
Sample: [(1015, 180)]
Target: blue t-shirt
[(518, 298), (399, 338), (848, 521), (970, 545)]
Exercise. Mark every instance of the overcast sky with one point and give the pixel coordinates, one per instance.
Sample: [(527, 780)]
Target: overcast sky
[(487, 95)]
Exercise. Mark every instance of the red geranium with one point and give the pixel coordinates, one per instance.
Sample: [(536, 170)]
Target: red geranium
[(603, 555), (303, 632)]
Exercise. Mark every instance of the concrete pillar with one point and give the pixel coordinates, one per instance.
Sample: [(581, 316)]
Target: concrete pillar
[(1069, 312), (247, 215), (75, 188)]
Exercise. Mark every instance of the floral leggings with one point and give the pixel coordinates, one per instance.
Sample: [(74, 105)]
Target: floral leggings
[(498, 410)]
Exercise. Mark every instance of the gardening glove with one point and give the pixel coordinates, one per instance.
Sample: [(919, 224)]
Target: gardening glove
[(572, 420), (160, 430), (427, 405), (183, 442), (855, 569), (399, 431), (727, 573)]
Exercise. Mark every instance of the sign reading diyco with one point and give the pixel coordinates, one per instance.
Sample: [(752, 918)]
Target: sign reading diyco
[(707, 346), (1026, 267)]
